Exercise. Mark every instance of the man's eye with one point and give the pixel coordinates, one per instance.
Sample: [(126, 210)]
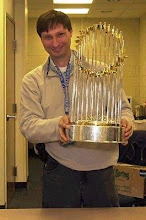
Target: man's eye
[(47, 37), (60, 35)]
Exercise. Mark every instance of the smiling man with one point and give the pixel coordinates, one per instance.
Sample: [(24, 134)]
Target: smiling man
[(74, 175), (56, 42)]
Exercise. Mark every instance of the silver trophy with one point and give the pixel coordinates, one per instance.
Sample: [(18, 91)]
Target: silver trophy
[(95, 112)]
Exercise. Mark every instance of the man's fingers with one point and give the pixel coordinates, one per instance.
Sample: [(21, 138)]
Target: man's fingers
[(66, 119), (64, 122), (127, 130), (63, 125), (63, 136)]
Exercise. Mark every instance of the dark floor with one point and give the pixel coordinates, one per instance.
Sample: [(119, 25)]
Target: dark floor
[(31, 197)]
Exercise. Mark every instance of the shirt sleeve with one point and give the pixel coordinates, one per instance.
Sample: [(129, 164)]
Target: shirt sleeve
[(33, 124), (126, 109)]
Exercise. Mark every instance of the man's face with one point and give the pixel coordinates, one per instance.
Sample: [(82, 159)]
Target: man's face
[(57, 41)]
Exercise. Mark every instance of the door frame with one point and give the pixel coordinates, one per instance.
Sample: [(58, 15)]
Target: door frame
[(7, 16)]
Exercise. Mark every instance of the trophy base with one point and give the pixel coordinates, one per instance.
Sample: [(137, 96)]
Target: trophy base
[(100, 134)]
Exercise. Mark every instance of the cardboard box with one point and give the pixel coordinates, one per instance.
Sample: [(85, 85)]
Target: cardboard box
[(140, 124), (129, 181)]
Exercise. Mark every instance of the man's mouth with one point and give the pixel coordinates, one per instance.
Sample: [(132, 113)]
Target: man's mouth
[(57, 50)]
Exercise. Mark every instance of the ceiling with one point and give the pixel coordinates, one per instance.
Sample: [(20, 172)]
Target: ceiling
[(121, 9)]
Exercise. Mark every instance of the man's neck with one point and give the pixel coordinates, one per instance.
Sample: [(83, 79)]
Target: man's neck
[(61, 61)]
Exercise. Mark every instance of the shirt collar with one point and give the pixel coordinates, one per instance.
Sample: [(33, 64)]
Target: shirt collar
[(50, 69)]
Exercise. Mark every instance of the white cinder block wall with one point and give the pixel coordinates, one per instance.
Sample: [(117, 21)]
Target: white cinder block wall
[(143, 59), (134, 32)]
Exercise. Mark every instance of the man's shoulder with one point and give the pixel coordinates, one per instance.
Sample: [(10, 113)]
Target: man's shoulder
[(35, 72)]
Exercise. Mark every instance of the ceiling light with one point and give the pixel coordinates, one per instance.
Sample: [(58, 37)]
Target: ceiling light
[(73, 10), (72, 1)]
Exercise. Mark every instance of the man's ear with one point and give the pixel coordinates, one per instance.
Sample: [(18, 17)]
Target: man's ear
[(71, 32)]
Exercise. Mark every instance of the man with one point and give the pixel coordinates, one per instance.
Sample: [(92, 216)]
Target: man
[(75, 175)]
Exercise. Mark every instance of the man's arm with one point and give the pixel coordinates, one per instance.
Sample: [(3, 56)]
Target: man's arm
[(33, 124), (127, 118)]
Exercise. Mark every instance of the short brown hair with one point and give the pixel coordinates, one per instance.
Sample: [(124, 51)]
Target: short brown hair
[(51, 18)]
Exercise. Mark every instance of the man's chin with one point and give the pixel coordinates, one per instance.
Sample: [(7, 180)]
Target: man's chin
[(58, 54)]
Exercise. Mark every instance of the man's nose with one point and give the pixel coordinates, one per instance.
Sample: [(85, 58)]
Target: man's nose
[(55, 42)]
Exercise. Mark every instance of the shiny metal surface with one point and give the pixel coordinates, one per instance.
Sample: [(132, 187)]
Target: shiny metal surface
[(100, 134), (10, 116)]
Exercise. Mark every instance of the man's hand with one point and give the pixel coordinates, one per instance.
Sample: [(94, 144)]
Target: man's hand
[(127, 131), (63, 125)]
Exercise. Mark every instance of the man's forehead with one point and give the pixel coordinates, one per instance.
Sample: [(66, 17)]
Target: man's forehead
[(56, 26), (55, 29)]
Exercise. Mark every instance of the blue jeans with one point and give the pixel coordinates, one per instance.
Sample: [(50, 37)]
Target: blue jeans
[(67, 188)]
